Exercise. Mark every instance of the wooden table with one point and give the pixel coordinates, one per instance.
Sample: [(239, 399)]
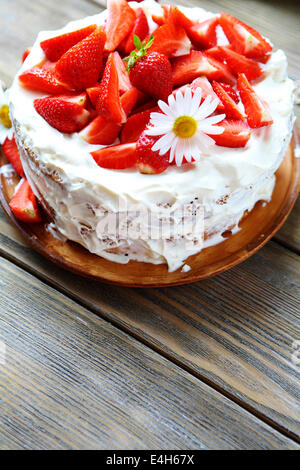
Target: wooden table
[(204, 366)]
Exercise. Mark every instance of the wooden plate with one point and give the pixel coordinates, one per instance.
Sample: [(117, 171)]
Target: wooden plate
[(257, 228)]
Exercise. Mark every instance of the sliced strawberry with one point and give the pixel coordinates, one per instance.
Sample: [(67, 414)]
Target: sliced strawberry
[(124, 82), (117, 157), (24, 204), (240, 64), (93, 93), (79, 68), (12, 153), (144, 107), (140, 29), (230, 107), (230, 91), (100, 131), (244, 39), (108, 104), (150, 162), (55, 47), (135, 125), (26, 54), (120, 21), (224, 73), (173, 15), (41, 78), (207, 90), (158, 19), (170, 41), (215, 52), (236, 134), (203, 35), (257, 111), (195, 64), (63, 113)]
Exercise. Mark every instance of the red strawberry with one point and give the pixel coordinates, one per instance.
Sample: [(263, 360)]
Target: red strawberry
[(64, 113), (41, 78), (79, 68), (257, 112), (224, 73), (148, 161), (230, 91), (120, 21), (150, 72), (240, 64), (55, 47), (207, 90), (12, 153), (215, 52), (26, 54), (108, 104), (170, 41), (203, 35), (230, 108), (158, 19), (100, 131), (236, 134), (93, 94), (144, 107), (24, 204), (117, 157), (173, 15), (135, 125), (140, 29), (195, 64), (124, 82), (244, 39)]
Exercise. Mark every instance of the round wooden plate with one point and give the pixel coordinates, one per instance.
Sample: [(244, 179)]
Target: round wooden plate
[(256, 229)]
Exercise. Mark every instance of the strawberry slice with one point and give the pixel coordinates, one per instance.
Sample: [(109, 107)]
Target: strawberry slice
[(207, 90), (236, 134), (230, 107), (124, 82), (195, 64), (79, 68), (26, 54), (203, 35), (108, 104), (117, 157), (215, 52), (120, 21), (64, 113), (150, 162), (41, 78), (173, 15), (244, 39), (257, 111), (135, 125), (140, 29), (24, 204), (240, 64), (100, 131), (158, 19), (93, 93), (230, 91), (170, 41), (55, 47), (12, 153)]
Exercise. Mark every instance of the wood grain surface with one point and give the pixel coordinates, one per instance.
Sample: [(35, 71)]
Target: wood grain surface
[(72, 380), (234, 332)]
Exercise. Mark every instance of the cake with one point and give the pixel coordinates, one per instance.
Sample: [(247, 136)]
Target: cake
[(195, 182)]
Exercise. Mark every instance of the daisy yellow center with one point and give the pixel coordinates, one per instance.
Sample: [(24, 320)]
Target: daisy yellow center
[(185, 127), (4, 116)]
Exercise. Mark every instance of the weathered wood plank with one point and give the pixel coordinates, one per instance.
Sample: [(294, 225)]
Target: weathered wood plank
[(235, 331), (73, 381)]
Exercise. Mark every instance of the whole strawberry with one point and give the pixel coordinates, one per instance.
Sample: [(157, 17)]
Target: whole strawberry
[(148, 161), (150, 72)]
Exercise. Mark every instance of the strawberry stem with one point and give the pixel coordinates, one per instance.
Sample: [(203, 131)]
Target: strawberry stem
[(141, 51)]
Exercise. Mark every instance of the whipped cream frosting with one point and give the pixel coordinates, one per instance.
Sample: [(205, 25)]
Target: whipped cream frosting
[(242, 176)]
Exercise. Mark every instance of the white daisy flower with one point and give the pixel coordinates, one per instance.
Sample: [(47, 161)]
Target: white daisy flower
[(184, 125), (6, 129)]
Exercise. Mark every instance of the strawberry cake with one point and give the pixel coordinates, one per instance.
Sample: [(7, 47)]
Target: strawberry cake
[(148, 109)]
